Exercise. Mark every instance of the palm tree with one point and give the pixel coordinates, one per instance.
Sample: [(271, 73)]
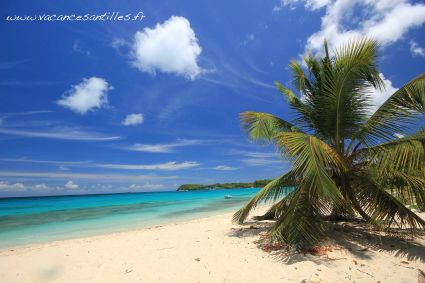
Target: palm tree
[(346, 160)]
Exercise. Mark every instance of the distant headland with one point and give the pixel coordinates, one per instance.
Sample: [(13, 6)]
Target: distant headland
[(223, 186)]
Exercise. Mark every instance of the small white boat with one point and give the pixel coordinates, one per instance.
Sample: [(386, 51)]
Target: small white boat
[(227, 196)]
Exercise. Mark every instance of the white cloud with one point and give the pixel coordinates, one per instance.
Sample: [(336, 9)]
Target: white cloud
[(172, 165), (392, 24), (71, 185), (41, 187), (253, 158), (416, 50), (163, 148), (379, 97), (225, 168), (309, 4), (6, 186), (385, 20), (102, 187), (262, 161), (60, 133), (25, 113), (6, 65), (133, 119), (118, 42), (249, 37), (88, 95), (26, 160), (169, 47), (76, 47), (121, 46), (261, 154), (147, 186), (398, 135), (135, 187), (169, 166), (20, 187), (83, 176)]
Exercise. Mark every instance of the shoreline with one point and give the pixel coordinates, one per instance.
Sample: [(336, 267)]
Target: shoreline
[(113, 233), (99, 215), (209, 249)]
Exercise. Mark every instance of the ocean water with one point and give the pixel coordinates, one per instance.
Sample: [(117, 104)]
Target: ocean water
[(42, 219)]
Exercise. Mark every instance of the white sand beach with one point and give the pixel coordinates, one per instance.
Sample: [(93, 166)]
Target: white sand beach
[(211, 250)]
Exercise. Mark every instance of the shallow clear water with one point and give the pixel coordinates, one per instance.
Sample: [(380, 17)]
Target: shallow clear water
[(42, 219)]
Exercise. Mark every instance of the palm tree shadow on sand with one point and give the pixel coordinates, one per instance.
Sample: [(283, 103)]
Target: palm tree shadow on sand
[(356, 239)]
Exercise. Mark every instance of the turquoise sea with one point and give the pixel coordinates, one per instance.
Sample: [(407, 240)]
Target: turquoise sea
[(42, 219)]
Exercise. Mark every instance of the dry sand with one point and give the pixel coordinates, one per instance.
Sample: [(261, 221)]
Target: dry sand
[(211, 250)]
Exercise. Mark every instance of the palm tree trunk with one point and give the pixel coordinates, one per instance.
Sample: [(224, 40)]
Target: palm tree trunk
[(357, 205), (348, 191)]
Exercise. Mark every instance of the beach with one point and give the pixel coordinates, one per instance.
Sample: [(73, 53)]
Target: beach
[(211, 249), (212, 141)]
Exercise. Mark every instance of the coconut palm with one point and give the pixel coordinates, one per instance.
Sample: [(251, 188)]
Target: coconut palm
[(346, 160)]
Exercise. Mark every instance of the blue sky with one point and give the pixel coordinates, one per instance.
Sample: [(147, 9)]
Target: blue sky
[(142, 105)]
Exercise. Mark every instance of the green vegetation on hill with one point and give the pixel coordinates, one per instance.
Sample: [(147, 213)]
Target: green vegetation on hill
[(194, 187)]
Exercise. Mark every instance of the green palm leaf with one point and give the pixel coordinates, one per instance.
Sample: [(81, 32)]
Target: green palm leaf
[(382, 207), (277, 209), (344, 160), (313, 161), (301, 224), (407, 186), (407, 153), (401, 108), (275, 189), (264, 126), (303, 110)]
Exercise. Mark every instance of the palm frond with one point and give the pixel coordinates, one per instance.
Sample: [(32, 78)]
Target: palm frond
[(277, 209), (274, 190), (397, 111), (315, 69), (300, 221), (300, 80), (303, 111), (314, 162), (401, 154), (264, 126), (345, 90), (301, 225), (409, 187), (383, 208), (344, 160), (359, 57)]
